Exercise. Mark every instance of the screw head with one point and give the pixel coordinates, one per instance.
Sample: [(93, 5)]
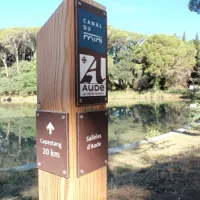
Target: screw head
[(63, 117), (39, 105), (106, 162), (104, 13), (81, 117), (81, 100), (64, 172), (106, 113), (82, 171), (37, 114), (39, 164), (79, 3)]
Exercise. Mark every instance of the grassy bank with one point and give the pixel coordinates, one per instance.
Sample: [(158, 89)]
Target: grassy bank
[(157, 95), (18, 99), (127, 98), (116, 97)]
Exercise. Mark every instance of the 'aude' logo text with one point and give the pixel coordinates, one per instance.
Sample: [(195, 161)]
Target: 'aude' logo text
[(92, 76)]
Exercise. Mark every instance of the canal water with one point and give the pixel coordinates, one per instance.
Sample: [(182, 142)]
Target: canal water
[(126, 125)]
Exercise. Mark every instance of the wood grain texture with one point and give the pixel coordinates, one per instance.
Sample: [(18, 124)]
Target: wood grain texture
[(56, 92)]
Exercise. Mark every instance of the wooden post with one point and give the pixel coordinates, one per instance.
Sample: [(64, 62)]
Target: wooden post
[(56, 92)]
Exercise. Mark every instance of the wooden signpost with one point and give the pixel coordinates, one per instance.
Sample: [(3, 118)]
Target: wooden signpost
[(72, 121)]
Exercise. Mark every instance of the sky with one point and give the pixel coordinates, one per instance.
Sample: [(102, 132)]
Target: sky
[(140, 16)]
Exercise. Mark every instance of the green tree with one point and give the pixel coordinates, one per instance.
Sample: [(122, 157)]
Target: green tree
[(15, 43), (21, 43), (196, 40), (166, 59), (23, 83), (184, 37), (121, 74), (3, 56), (195, 75), (120, 51), (194, 6), (121, 40)]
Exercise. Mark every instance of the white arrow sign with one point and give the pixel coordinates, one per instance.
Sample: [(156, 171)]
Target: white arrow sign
[(51, 128)]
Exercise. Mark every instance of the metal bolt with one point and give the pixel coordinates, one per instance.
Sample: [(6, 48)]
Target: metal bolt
[(104, 13), (64, 172), (82, 171), (106, 162), (81, 100), (105, 99), (81, 116), (63, 117), (37, 114), (39, 164), (79, 3), (39, 105), (106, 113)]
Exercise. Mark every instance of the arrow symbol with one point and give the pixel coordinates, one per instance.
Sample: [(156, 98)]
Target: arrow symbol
[(51, 128)]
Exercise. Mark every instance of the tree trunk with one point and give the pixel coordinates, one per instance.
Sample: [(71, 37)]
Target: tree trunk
[(5, 65), (17, 61)]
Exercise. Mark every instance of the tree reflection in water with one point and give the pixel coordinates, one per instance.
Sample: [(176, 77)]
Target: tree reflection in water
[(130, 124), (126, 125), (17, 141)]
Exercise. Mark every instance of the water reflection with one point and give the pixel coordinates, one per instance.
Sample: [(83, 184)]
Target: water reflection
[(17, 141), (129, 124), (126, 124)]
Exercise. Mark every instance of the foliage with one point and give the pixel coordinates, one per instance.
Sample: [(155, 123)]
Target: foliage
[(135, 61), (156, 62), (153, 130), (18, 61), (184, 36), (195, 75), (8, 32), (194, 115), (121, 74), (194, 5), (121, 40), (23, 83), (166, 60)]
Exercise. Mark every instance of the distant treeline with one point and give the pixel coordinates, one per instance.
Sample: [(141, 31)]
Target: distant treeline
[(18, 61), (135, 61)]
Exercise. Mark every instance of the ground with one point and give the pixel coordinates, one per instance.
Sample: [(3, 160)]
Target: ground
[(165, 170)]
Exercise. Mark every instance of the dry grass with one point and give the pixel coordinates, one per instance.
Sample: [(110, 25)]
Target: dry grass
[(166, 170), (128, 98), (18, 185), (18, 99), (115, 98)]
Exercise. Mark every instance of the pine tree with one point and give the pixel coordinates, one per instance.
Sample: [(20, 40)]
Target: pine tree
[(196, 41), (184, 37), (195, 75)]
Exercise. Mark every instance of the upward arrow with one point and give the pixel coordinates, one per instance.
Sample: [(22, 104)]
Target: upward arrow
[(50, 127)]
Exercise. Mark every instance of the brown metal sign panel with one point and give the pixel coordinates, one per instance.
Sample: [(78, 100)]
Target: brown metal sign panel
[(92, 134), (91, 55), (52, 142)]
